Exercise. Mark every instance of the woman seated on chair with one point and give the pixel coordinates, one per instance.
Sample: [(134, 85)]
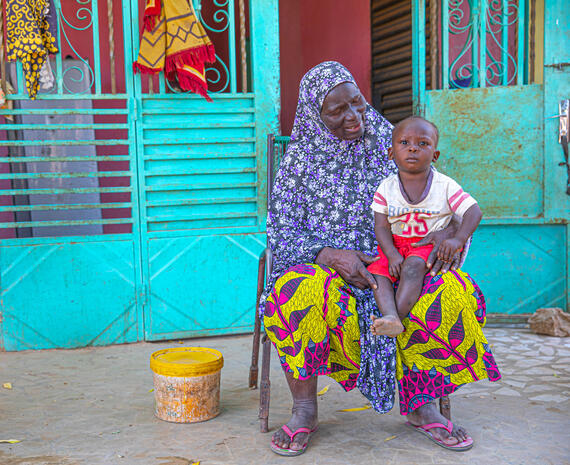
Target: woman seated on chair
[(318, 305)]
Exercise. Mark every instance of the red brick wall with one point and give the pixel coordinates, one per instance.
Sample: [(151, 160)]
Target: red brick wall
[(312, 31)]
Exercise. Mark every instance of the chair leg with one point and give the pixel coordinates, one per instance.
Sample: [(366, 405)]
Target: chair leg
[(265, 387), (445, 407), (253, 369)]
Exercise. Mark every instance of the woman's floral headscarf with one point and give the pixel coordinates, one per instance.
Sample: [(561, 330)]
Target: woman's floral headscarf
[(321, 198)]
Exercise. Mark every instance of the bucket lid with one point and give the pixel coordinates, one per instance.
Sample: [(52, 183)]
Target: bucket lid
[(186, 361)]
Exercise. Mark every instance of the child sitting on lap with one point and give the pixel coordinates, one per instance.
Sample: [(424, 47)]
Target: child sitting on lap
[(407, 206)]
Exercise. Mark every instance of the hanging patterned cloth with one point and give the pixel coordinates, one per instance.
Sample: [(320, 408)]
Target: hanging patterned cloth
[(29, 38), (174, 41)]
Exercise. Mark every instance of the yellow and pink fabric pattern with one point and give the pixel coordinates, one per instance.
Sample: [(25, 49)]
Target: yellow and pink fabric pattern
[(311, 318)]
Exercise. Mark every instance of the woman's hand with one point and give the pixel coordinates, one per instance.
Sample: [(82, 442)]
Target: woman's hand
[(448, 249), (433, 263), (350, 264)]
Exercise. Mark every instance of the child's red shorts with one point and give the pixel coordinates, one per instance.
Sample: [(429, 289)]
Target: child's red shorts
[(404, 246)]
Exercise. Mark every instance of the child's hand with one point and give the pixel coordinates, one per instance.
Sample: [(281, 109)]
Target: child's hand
[(395, 265), (448, 249)]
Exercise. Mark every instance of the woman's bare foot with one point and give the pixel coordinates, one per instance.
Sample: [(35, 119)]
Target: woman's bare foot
[(388, 325), (428, 413), (304, 414)]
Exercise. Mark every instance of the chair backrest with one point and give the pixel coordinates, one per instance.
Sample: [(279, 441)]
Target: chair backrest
[(276, 146)]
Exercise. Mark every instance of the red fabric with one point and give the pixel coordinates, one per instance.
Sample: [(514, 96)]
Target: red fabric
[(404, 246), (137, 67), (188, 80), (177, 65), (178, 45), (196, 56), (151, 14)]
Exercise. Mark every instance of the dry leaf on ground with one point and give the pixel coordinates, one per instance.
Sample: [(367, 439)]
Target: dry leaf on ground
[(323, 390), (356, 409)]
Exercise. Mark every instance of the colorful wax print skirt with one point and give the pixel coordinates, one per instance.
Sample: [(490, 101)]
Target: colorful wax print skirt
[(311, 318)]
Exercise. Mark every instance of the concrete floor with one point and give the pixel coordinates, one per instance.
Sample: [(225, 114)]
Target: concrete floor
[(93, 406)]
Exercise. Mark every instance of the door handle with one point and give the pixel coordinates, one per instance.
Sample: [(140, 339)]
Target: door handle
[(564, 124)]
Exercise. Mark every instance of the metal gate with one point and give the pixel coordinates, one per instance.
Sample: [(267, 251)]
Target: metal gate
[(499, 70), (128, 210)]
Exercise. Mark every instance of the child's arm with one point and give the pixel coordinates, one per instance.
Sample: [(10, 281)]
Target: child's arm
[(383, 234), (449, 247)]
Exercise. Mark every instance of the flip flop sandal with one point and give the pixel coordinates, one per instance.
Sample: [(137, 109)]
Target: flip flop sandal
[(293, 452), (425, 430)]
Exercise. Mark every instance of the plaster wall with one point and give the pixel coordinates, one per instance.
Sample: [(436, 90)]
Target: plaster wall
[(312, 31)]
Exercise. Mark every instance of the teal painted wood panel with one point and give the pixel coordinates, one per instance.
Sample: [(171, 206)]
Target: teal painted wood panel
[(68, 295), (519, 268), (199, 171), (196, 173), (557, 202), (556, 32), (556, 88), (266, 78), (501, 144), (202, 183), (491, 143), (75, 291), (201, 286)]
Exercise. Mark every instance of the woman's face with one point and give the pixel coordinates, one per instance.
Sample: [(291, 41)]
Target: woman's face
[(343, 111)]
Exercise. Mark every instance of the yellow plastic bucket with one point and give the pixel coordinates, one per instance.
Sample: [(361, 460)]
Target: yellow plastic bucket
[(186, 383)]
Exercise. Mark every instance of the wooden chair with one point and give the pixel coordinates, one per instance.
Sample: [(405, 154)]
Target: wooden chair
[(276, 146)]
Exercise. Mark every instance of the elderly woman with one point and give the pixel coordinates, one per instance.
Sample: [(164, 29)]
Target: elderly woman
[(318, 305)]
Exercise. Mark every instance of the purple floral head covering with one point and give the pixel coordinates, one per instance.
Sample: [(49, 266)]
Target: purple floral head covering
[(321, 198), (309, 127), (314, 88)]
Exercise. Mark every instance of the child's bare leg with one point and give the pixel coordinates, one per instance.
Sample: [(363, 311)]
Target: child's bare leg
[(412, 276), (389, 324)]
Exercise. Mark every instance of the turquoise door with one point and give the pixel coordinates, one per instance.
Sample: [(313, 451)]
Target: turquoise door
[(69, 248), (202, 184), (128, 210), (498, 72)]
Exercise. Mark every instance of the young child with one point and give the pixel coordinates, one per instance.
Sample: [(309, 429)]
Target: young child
[(407, 206)]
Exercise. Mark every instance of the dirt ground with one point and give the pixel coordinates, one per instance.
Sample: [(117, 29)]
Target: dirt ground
[(95, 406)]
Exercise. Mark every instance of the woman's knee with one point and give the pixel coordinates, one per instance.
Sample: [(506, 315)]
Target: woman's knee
[(309, 276), (297, 288), (311, 288)]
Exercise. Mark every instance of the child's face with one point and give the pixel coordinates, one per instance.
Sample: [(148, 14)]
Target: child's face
[(414, 146)]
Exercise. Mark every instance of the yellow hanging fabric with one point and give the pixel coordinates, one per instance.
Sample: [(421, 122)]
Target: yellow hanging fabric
[(28, 38), (174, 41)]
